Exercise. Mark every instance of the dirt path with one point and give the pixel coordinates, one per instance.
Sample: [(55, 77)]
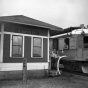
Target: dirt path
[(49, 82)]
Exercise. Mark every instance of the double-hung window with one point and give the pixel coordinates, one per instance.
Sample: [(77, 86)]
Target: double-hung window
[(37, 50), (17, 46)]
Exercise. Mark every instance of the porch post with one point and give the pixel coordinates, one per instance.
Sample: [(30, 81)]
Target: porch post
[(49, 64), (2, 42), (48, 45)]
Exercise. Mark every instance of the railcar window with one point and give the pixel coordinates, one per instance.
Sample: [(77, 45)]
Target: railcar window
[(85, 42), (66, 40)]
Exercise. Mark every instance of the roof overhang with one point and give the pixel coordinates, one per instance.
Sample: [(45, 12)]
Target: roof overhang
[(24, 20)]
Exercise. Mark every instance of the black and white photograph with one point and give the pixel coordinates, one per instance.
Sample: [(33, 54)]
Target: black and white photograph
[(43, 44)]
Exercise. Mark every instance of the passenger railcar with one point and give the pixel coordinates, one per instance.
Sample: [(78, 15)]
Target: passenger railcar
[(74, 45)]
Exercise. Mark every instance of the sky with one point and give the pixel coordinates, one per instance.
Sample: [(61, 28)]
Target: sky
[(61, 13)]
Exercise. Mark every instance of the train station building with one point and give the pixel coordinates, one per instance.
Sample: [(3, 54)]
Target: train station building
[(24, 37)]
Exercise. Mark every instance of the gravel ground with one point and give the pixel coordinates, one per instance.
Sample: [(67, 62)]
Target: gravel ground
[(64, 81)]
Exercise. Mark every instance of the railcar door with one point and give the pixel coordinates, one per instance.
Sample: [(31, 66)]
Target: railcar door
[(80, 46)]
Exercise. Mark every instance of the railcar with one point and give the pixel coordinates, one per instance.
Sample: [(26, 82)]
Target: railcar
[(74, 45)]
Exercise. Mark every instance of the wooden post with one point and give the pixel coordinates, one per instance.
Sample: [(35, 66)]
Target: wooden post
[(24, 72)]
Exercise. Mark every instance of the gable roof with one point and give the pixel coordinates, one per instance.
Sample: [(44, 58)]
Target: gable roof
[(20, 19)]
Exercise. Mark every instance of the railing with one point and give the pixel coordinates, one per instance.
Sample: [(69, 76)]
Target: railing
[(58, 63)]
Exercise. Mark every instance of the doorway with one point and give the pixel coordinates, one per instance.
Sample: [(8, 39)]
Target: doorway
[(53, 63)]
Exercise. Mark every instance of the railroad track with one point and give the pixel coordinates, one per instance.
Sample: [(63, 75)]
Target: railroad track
[(75, 72)]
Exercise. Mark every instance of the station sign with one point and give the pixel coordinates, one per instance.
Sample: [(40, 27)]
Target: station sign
[(27, 31)]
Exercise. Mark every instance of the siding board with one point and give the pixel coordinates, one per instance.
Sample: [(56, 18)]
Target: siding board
[(10, 27), (28, 51)]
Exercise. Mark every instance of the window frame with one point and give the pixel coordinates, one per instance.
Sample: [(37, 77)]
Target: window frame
[(84, 42), (60, 47), (67, 48), (32, 42), (11, 46)]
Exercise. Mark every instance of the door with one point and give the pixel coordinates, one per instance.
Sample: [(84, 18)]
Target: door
[(53, 63), (80, 46)]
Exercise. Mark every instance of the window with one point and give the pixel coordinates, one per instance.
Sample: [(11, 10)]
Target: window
[(85, 42), (63, 43), (17, 46), (66, 41), (37, 47)]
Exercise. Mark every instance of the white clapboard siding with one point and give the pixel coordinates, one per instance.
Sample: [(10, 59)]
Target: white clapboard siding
[(19, 66)]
